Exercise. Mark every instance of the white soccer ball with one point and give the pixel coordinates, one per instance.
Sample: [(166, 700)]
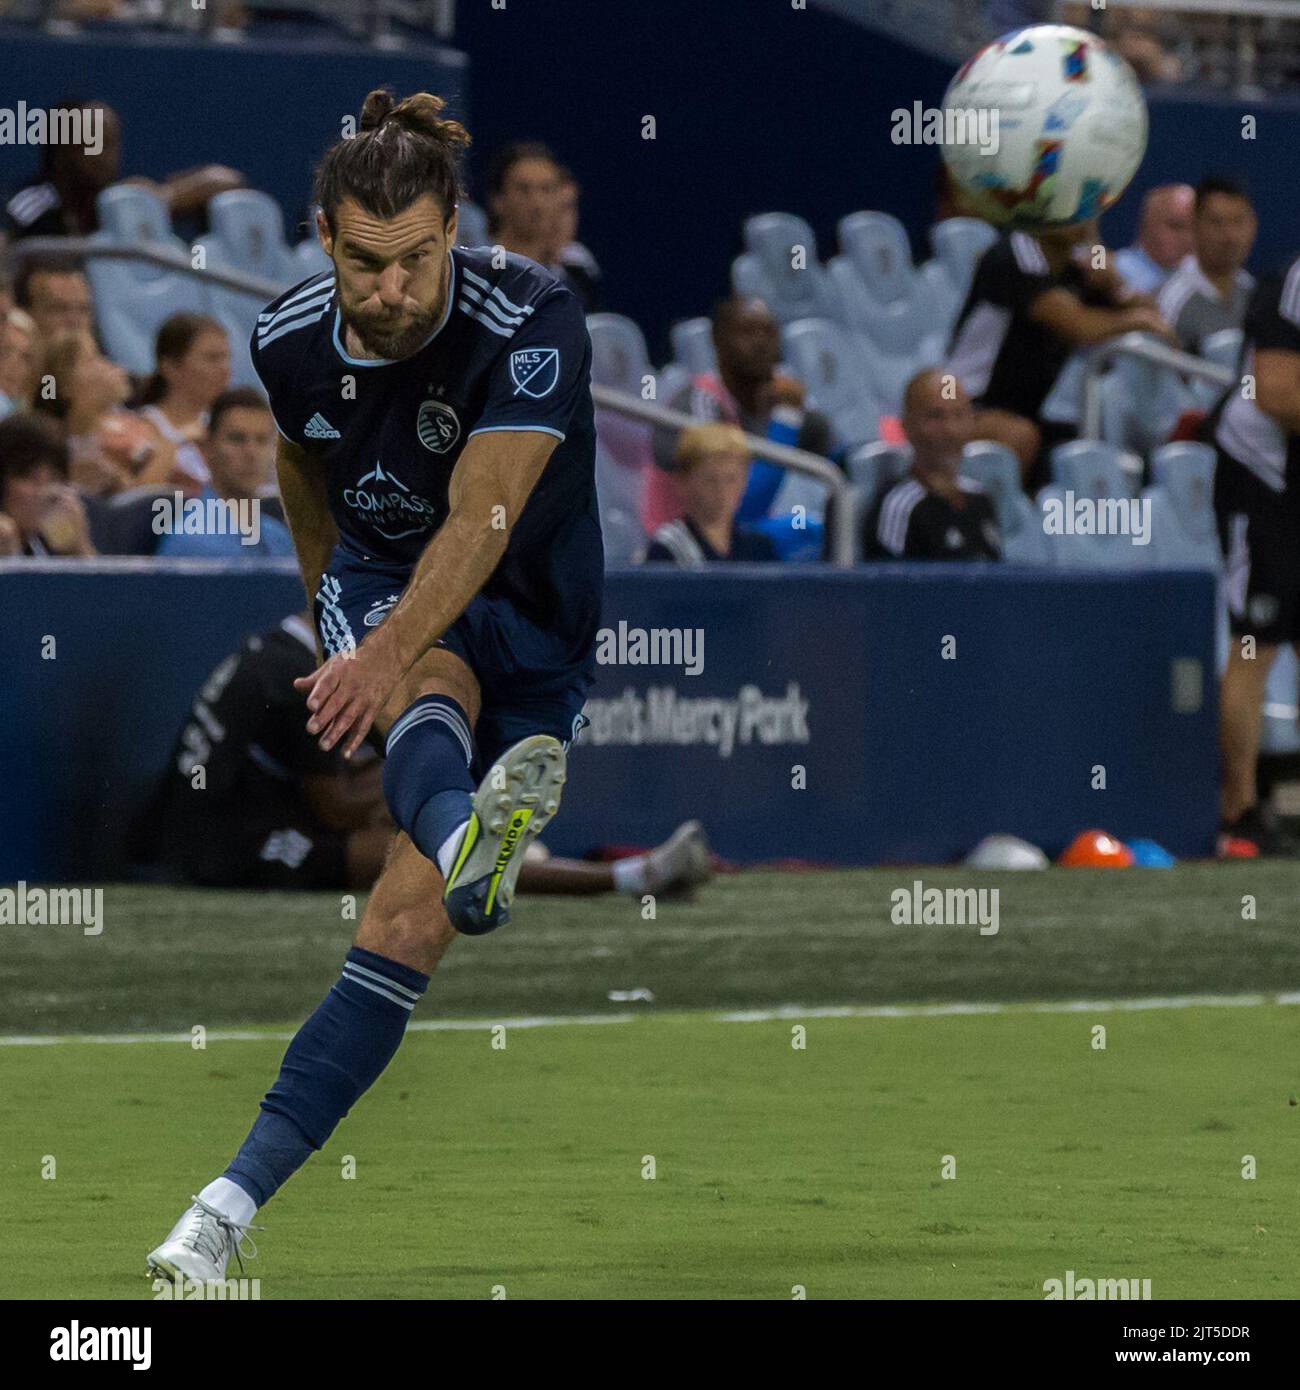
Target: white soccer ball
[(1063, 129)]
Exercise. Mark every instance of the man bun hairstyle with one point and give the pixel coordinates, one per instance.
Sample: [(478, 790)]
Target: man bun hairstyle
[(401, 151)]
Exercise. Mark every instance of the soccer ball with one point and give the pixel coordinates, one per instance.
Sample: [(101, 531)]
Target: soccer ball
[(1044, 127)]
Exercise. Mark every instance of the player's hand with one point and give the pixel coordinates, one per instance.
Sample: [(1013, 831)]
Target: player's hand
[(344, 696)]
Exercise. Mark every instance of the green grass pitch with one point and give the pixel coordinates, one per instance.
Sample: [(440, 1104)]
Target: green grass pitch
[(478, 1169)]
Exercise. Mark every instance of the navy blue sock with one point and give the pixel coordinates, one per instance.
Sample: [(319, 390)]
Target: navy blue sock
[(337, 1054), (427, 780)]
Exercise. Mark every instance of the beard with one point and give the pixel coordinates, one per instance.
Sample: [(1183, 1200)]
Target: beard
[(392, 337)]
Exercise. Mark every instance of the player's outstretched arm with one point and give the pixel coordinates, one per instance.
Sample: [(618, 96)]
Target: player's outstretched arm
[(491, 482), (306, 508)]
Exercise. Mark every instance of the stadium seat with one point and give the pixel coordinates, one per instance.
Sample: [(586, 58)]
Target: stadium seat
[(123, 523), (1224, 348), (830, 365), (874, 467), (902, 331), (247, 234), (773, 239), (1063, 404), (1142, 403), (310, 259), (944, 295), (1184, 531), (619, 358), (1280, 729), (997, 470), (958, 243), (692, 344), (1095, 468), (471, 224), (747, 278), (133, 298), (876, 246), (669, 380), (620, 361), (619, 481)]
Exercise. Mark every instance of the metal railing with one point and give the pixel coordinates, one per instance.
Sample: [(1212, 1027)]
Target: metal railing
[(841, 523), (1146, 349), (147, 252)]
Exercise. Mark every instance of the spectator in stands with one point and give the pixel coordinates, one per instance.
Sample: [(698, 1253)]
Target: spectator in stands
[(712, 464), (270, 809), (39, 513), (193, 368), (934, 513), (1147, 41), (111, 447), (240, 452), (1211, 287), (1257, 501), (61, 199), (55, 292), (1164, 238), (17, 360), (565, 254), (747, 391), (523, 181), (1033, 301)]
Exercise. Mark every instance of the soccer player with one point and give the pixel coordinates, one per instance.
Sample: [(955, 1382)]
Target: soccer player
[(437, 467)]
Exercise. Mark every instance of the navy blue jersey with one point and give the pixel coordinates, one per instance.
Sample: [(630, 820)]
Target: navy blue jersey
[(511, 353)]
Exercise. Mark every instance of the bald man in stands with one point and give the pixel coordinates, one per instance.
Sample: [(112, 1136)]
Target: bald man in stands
[(1164, 238)]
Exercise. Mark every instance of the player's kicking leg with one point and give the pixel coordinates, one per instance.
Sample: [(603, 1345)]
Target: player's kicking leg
[(479, 836)]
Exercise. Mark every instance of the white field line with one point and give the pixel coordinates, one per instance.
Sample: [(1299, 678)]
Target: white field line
[(780, 1012)]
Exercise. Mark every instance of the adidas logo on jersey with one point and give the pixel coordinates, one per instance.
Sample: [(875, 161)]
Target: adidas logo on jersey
[(318, 427)]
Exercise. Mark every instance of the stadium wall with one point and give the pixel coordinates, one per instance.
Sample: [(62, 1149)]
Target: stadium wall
[(267, 107), (908, 754)]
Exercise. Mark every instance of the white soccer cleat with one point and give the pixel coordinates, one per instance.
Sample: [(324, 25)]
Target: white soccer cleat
[(516, 799), (200, 1246), (681, 863)]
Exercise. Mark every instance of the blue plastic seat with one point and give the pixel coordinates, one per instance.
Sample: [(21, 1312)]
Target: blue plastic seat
[(1094, 468), (830, 365), (775, 240), (471, 225), (958, 243), (692, 344), (618, 353), (132, 298), (1184, 530), (904, 328), (1223, 347), (1280, 730), (247, 234), (877, 466), (997, 470)]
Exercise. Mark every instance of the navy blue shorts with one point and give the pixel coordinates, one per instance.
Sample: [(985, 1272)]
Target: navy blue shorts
[(526, 687)]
